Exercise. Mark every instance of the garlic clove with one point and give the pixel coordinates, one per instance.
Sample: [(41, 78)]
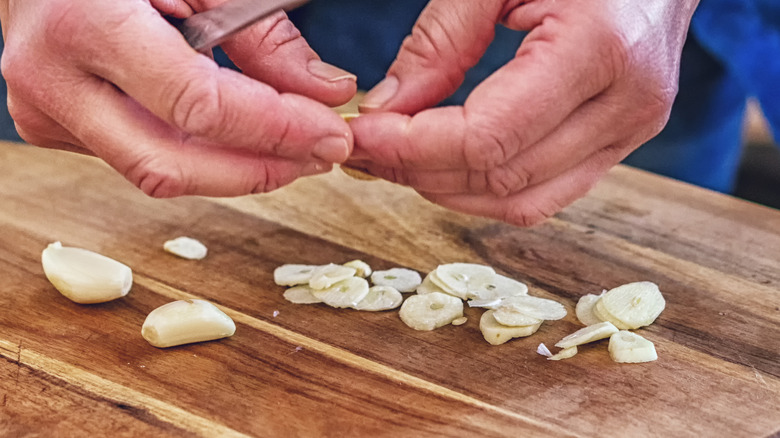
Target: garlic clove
[(186, 248), (85, 276), (185, 322)]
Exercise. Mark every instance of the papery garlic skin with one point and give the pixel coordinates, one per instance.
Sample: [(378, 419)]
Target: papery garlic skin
[(84, 276)]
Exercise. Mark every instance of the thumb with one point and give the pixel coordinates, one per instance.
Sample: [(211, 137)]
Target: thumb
[(447, 40)]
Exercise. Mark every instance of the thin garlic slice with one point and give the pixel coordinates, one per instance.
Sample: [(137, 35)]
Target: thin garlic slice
[(601, 313), (430, 311), (588, 334), (584, 309), (293, 275), (362, 269), (186, 248), (507, 315), (325, 276), (428, 286), (540, 308), (634, 304), (497, 334), (345, 293), (84, 276), (402, 279), (457, 279), (380, 298), (459, 321), (496, 286), (301, 295), (185, 322), (564, 354), (627, 347)]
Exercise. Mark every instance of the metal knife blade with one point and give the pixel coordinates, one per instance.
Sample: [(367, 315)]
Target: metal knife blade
[(207, 29)]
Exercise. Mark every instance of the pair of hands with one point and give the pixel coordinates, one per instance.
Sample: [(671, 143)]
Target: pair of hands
[(589, 84)]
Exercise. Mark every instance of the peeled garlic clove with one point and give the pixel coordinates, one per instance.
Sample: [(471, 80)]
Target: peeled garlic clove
[(362, 269), (584, 309), (402, 279), (627, 347), (293, 275), (590, 333), (430, 311), (186, 248), (458, 278), (535, 307), (301, 295), (497, 334), (380, 298), (185, 322), (345, 293), (326, 276), (84, 276), (564, 354), (634, 304)]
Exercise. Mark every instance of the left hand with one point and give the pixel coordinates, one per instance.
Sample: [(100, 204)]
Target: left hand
[(589, 84)]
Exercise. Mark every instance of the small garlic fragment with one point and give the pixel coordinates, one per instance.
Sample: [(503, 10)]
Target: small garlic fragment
[(543, 350), (362, 269), (459, 321), (84, 276), (564, 354), (186, 248), (185, 322)]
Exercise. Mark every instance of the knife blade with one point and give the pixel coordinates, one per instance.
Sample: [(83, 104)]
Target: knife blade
[(207, 29)]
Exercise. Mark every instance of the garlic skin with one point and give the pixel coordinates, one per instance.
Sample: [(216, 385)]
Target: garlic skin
[(185, 322), (84, 276)]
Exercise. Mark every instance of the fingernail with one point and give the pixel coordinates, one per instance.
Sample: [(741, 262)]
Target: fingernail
[(315, 169), (380, 94), (328, 72), (333, 149)]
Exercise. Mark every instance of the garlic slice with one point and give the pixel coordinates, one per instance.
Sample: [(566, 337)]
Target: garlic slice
[(430, 311), (380, 298), (186, 248), (185, 322), (627, 347), (428, 286), (84, 276), (402, 279), (345, 293), (584, 309), (457, 279), (362, 269), (301, 295), (535, 307), (588, 334), (497, 334), (484, 287), (634, 304), (564, 354), (325, 276), (293, 275)]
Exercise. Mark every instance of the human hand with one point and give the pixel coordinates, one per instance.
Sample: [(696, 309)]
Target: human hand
[(589, 84), (115, 80)]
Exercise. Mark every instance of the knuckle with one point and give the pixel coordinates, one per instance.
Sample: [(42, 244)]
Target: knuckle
[(158, 177), (486, 147), (527, 214), (197, 109), (506, 180), (280, 33)]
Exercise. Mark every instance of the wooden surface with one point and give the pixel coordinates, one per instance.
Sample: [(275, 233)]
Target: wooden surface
[(84, 370)]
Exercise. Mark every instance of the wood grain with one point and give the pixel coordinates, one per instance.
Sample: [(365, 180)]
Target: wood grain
[(317, 371)]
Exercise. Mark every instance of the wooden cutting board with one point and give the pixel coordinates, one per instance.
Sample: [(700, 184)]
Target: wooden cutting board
[(310, 370)]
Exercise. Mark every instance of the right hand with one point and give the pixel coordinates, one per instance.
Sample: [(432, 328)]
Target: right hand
[(114, 79)]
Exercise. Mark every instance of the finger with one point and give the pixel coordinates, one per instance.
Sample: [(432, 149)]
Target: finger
[(173, 8), (273, 51), (446, 41), (596, 124), (537, 203), (512, 109), (37, 128), (164, 163), (190, 92)]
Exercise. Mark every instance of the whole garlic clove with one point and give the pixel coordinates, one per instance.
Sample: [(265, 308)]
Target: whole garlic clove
[(185, 322), (186, 248), (85, 276)]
